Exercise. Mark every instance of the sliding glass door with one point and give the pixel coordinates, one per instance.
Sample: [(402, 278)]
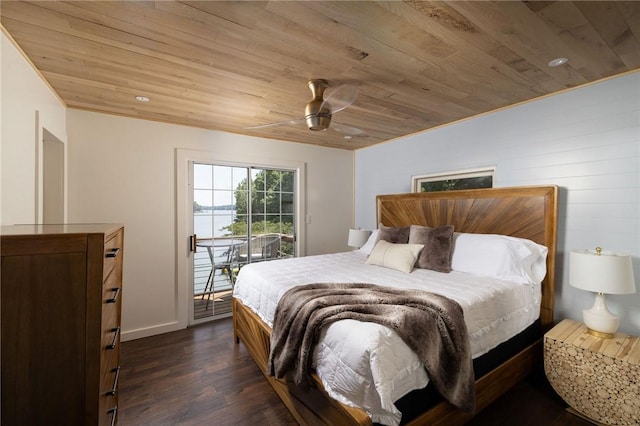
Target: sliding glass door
[(241, 214)]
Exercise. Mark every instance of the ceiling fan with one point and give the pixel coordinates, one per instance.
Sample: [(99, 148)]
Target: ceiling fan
[(319, 111)]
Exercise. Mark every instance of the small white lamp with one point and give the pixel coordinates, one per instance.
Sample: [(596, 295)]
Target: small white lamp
[(603, 272), (358, 237)]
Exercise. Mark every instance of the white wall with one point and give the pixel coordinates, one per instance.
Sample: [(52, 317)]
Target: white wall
[(28, 106), (586, 141), (123, 170)]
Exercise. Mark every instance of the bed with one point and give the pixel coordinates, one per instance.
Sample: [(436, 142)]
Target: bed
[(524, 212)]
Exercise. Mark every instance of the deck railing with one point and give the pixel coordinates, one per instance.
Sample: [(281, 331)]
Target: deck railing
[(214, 300)]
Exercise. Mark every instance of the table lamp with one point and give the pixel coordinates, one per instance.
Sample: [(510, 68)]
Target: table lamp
[(603, 272), (358, 237)]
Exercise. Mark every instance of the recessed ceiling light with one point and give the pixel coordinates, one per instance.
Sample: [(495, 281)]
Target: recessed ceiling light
[(557, 62), (347, 137), (142, 99)]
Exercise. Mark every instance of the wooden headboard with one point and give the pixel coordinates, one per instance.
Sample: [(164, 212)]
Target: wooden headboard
[(525, 212)]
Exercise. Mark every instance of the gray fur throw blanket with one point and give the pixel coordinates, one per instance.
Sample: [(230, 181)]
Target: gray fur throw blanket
[(430, 324)]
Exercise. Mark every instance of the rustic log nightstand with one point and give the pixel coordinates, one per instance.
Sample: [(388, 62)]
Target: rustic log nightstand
[(599, 378)]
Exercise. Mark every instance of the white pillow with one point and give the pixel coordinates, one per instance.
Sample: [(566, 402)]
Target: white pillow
[(400, 257), (499, 256), (368, 246)]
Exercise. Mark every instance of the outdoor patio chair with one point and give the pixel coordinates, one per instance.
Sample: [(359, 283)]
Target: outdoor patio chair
[(261, 247)]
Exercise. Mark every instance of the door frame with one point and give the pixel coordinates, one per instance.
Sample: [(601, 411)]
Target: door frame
[(43, 164), (53, 179), (184, 214)]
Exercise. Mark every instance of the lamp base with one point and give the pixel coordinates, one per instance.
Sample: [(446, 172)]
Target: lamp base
[(600, 321), (600, 334)]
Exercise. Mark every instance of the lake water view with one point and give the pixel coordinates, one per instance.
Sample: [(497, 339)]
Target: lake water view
[(210, 223)]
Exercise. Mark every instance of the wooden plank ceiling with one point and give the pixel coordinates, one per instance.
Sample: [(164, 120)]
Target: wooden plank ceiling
[(230, 65)]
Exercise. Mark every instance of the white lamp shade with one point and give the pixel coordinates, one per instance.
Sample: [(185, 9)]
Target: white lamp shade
[(607, 272), (358, 237)]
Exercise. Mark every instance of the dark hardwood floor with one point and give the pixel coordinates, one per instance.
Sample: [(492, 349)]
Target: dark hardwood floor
[(199, 376)]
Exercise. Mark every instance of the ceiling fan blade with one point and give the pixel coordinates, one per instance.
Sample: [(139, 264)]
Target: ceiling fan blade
[(347, 130), (291, 122), (341, 97)]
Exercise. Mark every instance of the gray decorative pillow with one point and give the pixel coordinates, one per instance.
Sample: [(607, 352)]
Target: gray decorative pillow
[(436, 254), (394, 235)]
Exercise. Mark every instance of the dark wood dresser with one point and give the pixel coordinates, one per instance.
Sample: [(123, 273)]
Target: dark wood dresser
[(61, 295)]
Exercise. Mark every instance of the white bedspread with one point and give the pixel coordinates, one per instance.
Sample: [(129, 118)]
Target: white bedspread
[(367, 365)]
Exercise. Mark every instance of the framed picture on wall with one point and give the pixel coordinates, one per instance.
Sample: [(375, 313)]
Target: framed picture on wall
[(448, 181)]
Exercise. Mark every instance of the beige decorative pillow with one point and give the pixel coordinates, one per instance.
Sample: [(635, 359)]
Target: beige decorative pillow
[(400, 257)]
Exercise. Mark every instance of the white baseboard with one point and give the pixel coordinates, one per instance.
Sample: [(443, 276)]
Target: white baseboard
[(151, 331)]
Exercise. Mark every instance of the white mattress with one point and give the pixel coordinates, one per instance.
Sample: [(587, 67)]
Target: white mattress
[(367, 365)]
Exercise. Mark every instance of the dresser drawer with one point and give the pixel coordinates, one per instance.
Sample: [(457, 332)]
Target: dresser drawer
[(112, 290), (112, 254), (110, 351), (110, 377)]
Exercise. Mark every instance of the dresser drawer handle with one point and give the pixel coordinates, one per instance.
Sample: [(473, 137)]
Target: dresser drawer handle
[(112, 252), (116, 332), (113, 411), (112, 391), (116, 292)]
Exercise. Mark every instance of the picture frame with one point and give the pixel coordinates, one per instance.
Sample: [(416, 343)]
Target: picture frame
[(448, 181)]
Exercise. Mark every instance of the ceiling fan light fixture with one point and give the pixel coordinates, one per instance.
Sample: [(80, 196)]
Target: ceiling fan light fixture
[(317, 113), (315, 117), (318, 122)]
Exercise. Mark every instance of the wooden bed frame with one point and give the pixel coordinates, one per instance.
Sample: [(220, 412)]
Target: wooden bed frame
[(526, 212)]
